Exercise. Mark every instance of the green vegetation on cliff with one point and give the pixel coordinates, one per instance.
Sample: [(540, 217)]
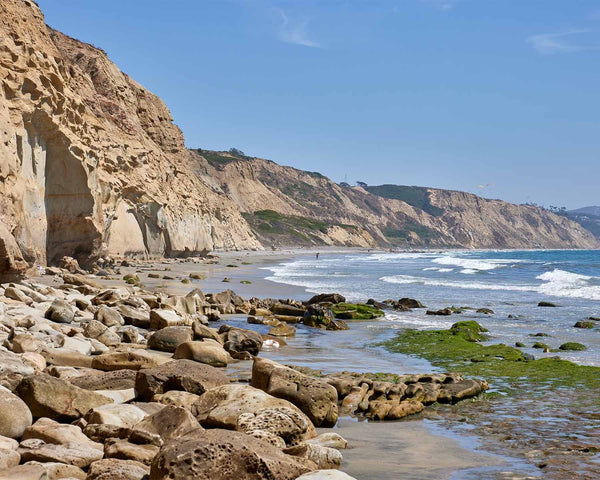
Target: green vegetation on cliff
[(416, 196), (290, 228)]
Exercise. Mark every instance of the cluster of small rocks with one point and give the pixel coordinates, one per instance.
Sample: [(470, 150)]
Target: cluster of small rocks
[(115, 383)]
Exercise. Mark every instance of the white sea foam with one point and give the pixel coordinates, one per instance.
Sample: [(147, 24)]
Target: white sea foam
[(437, 269), (436, 282), (421, 323), (557, 283), (469, 264), (560, 283)]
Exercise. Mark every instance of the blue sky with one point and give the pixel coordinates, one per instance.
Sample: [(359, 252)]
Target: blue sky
[(495, 97)]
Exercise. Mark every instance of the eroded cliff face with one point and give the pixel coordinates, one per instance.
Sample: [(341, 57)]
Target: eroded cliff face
[(318, 211), (92, 164), (90, 161)]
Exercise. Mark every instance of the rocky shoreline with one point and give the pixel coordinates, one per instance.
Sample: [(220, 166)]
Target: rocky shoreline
[(123, 382)]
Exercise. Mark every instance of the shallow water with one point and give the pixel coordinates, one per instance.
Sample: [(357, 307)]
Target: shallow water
[(509, 282), (538, 433)]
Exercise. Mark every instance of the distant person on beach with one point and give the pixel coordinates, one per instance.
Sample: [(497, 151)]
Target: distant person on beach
[(317, 255)]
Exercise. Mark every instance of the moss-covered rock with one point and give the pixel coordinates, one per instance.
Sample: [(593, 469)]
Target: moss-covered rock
[(584, 324), (547, 304), (503, 366), (541, 346), (320, 317), (485, 311), (356, 311), (131, 279), (572, 347)]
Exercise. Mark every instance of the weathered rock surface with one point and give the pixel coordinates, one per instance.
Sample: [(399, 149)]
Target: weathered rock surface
[(326, 475), (239, 342), (222, 407), (169, 338), (71, 454), (223, 455), (314, 397), (55, 398), (15, 416), (117, 469), (206, 351), (91, 157), (113, 380), (60, 434), (13, 369), (185, 375), (125, 450), (126, 416), (130, 360)]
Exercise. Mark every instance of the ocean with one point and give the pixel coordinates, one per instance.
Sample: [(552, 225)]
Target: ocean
[(510, 282)]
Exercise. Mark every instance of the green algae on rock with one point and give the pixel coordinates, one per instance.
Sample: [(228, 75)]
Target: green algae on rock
[(572, 347), (460, 349), (356, 311)]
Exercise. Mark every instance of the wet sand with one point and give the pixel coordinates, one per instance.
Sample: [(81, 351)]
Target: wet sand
[(405, 450)]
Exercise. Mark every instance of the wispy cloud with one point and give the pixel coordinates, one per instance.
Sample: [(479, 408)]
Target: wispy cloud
[(443, 5), (295, 30), (561, 42)]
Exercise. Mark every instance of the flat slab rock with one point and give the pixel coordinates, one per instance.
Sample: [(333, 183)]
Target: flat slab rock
[(117, 469), (55, 398), (184, 375)]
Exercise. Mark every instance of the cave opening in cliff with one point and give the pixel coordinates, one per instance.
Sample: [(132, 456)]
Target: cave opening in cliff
[(69, 206)]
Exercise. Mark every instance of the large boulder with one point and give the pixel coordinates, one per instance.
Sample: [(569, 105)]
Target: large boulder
[(224, 455), (60, 312), (113, 380), (283, 423), (169, 338), (13, 369), (317, 399), (117, 469), (160, 319), (239, 342), (126, 450), (79, 455), (322, 317), (130, 359), (327, 298), (12, 264), (15, 416), (241, 407), (49, 470), (59, 434), (108, 316), (185, 375), (118, 415), (207, 351), (55, 398), (170, 422)]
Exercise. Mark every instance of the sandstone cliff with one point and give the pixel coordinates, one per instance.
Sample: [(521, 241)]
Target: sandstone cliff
[(90, 161), (91, 164), (289, 206)]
